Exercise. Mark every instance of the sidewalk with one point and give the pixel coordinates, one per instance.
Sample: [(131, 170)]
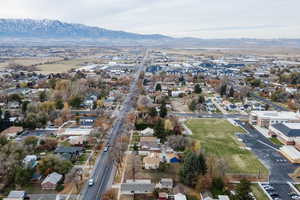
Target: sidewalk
[(263, 131)]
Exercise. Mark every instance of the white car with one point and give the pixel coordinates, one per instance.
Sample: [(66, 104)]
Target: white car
[(91, 182), (105, 149)]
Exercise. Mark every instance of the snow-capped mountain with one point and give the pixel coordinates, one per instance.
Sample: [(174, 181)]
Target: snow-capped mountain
[(57, 29)]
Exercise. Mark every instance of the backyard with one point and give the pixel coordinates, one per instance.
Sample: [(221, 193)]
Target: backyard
[(217, 137)]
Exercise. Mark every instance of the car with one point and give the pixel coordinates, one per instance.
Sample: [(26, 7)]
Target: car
[(106, 149), (91, 182)]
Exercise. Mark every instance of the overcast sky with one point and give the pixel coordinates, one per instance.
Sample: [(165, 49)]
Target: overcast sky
[(179, 18)]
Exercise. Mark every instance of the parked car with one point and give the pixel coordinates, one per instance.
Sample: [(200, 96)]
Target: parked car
[(91, 182)]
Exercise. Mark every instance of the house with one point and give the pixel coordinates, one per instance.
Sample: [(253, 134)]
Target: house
[(137, 187), (151, 161), (172, 158), (12, 131), (147, 132), (69, 153), (16, 195), (149, 144), (30, 161), (266, 118), (180, 196), (87, 122), (287, 133), (51, 181), (76, 140), (165, 183)]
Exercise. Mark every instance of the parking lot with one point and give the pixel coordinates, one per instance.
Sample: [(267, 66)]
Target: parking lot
[(268, 154)]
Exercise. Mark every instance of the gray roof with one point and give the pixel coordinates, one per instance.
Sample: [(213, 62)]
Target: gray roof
[(166, 182), (53, 178), (135, 187), (71, 150), (16, 194), (286, 130)]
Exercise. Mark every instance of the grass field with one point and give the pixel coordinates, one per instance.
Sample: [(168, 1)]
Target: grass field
[(217, 137), (62, 66), (258, 193)]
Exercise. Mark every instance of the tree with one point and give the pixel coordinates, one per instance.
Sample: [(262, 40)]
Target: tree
[(158, 87), (24, 106), (31, 141), (231, 92), (243, 190), (23, 175), (193, 166), (178, 142), (153, 112), (53, 163), (159, 130), (197, 89), (217, 186), (193, 105), (223, 89), (59, 104), (75, 101), (163, 111), (43, 96), (201, 99)]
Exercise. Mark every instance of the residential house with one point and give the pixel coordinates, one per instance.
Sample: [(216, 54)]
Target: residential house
[(16, 195), (51, 181), (151, 161), (137, 187), (30, 161), (12, 131), (149, 144), (87, 122), (165, 183), (147, 132), (287, 133), (76, 140), (69, 153)]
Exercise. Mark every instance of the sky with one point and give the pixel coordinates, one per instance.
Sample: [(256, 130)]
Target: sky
[(177, 18)]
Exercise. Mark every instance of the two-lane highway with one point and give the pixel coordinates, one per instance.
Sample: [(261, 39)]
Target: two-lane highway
[(104, 165)]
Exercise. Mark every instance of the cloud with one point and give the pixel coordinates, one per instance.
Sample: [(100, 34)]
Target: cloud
[(197, 18)]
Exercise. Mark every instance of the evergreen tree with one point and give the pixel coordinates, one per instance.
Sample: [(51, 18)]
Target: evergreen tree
[(158, 87), (223, 90), (163, 110), (197, 89), (159, 130), (243, 190), (231, 92), (193, 166)]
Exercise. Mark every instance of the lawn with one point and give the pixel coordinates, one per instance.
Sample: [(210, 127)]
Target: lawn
[(275, 141), (258, 193), (217, 137)]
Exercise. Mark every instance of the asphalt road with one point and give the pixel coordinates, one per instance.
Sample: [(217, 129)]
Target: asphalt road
[(266, 101), (104, 164)]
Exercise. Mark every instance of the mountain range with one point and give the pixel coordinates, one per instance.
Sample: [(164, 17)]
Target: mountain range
[(47, 32)]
